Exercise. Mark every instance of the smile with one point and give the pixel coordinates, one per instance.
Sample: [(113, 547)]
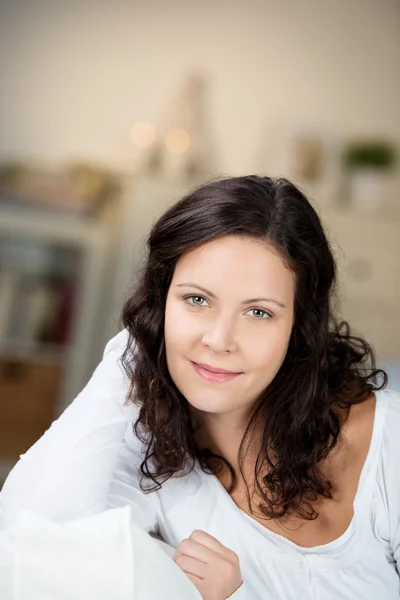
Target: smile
[(219, 376)]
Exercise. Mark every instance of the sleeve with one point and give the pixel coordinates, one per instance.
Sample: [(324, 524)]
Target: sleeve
[(6, 565), (66, 474), (389, 479), (125, 486)]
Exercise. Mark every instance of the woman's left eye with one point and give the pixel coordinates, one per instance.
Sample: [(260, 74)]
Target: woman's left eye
[(260, 314)]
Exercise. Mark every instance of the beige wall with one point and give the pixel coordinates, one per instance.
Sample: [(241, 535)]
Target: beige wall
[(76, 75)]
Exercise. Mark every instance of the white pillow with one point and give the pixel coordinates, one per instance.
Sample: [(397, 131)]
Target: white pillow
[(102, 557)]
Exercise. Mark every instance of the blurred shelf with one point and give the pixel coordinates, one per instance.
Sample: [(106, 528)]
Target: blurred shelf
[(62, 252), (92, 269), (48, 226), (33, 352)]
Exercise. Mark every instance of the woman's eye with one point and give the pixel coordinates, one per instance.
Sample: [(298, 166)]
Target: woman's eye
[(260, 314), (195, 300)]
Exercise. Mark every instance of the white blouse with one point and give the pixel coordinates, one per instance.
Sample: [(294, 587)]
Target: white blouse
[(89, 460)]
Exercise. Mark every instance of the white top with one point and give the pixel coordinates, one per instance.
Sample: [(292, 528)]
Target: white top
[(67, 475)]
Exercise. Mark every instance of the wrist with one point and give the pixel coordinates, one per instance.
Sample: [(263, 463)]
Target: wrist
[(238, 594)]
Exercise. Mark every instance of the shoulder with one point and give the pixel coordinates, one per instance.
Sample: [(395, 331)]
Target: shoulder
[(388, 405), (111, 364), (387, 500), (117, 344), (376, 416), (357, 429), (392, 400), (385, 443), (109, 384), (377, 420)]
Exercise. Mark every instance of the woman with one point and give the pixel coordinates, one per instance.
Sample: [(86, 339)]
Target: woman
[(264, 448)]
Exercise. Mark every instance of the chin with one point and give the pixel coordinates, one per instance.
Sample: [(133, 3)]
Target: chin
[(211, 405)]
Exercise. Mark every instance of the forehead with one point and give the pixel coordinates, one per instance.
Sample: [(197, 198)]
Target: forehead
[(242, 263)]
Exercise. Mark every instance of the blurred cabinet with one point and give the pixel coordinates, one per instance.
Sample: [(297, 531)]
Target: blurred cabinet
[(53, 280), (367, 251), (27, 403)]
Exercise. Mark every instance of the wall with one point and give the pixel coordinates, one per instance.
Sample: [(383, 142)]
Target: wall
[(76, 75)]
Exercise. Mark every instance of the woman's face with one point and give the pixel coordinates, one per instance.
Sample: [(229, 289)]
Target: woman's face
[(230, 307)]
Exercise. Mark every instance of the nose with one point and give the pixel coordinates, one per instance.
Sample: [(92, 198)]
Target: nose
[(220, 336)]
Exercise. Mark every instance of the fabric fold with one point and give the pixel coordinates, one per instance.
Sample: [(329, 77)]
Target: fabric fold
[(101, 557)]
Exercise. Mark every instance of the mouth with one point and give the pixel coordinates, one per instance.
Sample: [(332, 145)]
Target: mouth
[(214, 374)]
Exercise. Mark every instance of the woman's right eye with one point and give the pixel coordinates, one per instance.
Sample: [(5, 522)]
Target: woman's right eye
[(195, 300)]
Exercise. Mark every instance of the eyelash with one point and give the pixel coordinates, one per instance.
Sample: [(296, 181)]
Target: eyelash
[(192, 305)]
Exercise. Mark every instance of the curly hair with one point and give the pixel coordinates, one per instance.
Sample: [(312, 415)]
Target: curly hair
[(325, 371)]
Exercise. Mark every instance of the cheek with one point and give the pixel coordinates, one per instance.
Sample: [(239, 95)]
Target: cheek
[(271, 349), (179, 326)]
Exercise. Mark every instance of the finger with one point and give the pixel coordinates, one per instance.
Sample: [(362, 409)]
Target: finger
[(191, 566), (208, 541), (190, 547)]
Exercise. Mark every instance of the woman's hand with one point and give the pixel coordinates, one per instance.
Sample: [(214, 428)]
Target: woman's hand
[(211, 567)]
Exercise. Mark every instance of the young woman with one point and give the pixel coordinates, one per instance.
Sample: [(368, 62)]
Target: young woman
[(238, 419)]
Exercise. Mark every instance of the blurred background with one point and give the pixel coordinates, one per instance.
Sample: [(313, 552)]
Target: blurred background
[(113, 109)]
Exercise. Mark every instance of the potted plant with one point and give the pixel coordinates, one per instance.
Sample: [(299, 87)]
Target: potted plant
[(368, 165)]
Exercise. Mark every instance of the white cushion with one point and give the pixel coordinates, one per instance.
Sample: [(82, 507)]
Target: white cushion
[(102, 557)]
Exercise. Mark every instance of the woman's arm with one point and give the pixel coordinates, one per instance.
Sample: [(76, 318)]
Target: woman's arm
[(67, 473), (125, 487)]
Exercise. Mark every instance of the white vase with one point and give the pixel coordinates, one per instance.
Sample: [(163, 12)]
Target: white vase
[(368, 189)]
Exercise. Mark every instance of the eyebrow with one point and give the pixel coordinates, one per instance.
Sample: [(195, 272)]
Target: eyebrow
[(249, 301)]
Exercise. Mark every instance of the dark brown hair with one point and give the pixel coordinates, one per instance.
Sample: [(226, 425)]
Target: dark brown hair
[(326, 369)]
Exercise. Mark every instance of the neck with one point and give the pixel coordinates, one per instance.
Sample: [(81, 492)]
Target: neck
[(222, 434)]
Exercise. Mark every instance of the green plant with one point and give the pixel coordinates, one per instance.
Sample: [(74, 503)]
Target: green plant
[(373, 155)]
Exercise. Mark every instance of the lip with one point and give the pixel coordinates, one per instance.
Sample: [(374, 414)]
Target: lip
[(212, 374)]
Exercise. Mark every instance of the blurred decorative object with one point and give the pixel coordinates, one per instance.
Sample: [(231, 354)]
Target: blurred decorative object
[(143, 136), (310, 159), (177, 141), (78, 188), (183, 150), (368, 165)]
